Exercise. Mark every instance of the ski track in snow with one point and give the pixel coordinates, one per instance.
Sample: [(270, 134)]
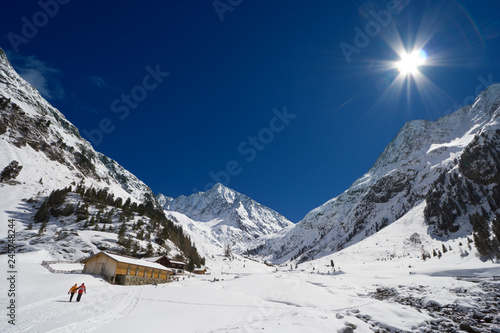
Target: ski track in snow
[(125, 307), (43, 312)]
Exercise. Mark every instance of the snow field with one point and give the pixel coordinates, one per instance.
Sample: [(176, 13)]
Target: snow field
[(239, 296)]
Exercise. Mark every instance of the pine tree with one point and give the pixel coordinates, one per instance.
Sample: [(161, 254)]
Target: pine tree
[(121, 233), (127, 245), (135, 248), (227, 250), (149, 250), (140, 234), (43, 228), (484, 245), (43, 212), (92, 220), (11, 171)]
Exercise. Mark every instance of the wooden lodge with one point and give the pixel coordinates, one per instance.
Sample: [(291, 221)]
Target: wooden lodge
[(119, 269), (200, 270), (176, 266)]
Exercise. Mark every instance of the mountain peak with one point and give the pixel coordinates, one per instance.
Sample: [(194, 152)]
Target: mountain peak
[(223, 191), (488, 100), (230, 216)]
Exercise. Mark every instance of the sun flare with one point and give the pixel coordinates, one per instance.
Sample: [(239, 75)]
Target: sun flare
[(410, 62)]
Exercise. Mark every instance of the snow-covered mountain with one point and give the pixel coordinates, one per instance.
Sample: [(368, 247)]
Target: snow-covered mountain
[(49, 148), (463, 145), (63, 196), (224, 217), (451, 165)]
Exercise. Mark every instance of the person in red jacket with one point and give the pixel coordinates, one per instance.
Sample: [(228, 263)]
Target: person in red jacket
[(81, 290), (72, 291)]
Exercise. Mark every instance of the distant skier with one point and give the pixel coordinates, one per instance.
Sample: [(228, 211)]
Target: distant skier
[(72, 291), (81, 290)]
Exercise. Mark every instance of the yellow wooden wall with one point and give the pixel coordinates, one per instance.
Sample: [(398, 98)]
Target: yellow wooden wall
[(111, 267)]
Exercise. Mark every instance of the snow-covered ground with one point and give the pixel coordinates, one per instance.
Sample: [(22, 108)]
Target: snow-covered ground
[(379, 283), (248, 297)]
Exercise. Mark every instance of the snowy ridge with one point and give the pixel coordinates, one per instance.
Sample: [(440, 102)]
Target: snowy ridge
[(398, 181), (224, 216)]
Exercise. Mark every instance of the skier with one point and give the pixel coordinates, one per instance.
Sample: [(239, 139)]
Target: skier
[(81, 289), (72, 291)]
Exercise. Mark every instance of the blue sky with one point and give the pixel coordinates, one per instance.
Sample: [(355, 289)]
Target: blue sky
[(260, 95)]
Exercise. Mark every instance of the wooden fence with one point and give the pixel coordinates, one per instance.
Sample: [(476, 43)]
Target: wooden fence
[(47, 264)]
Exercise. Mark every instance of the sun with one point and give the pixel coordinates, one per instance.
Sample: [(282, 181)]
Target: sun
[(410, 62)]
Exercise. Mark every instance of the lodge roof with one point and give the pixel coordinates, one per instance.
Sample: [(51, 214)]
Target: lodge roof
[(131, 261), (154, 259)]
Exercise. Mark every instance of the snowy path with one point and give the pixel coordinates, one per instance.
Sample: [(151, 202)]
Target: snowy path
[(94, 311), (128, 303)]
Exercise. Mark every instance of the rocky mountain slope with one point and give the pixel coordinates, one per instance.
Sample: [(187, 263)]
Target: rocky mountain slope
[(425, 161), (56, 187), (50, 148), (224, 217)]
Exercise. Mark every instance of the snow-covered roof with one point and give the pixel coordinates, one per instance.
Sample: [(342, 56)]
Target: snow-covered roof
[(154, 259), (133, 261)]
